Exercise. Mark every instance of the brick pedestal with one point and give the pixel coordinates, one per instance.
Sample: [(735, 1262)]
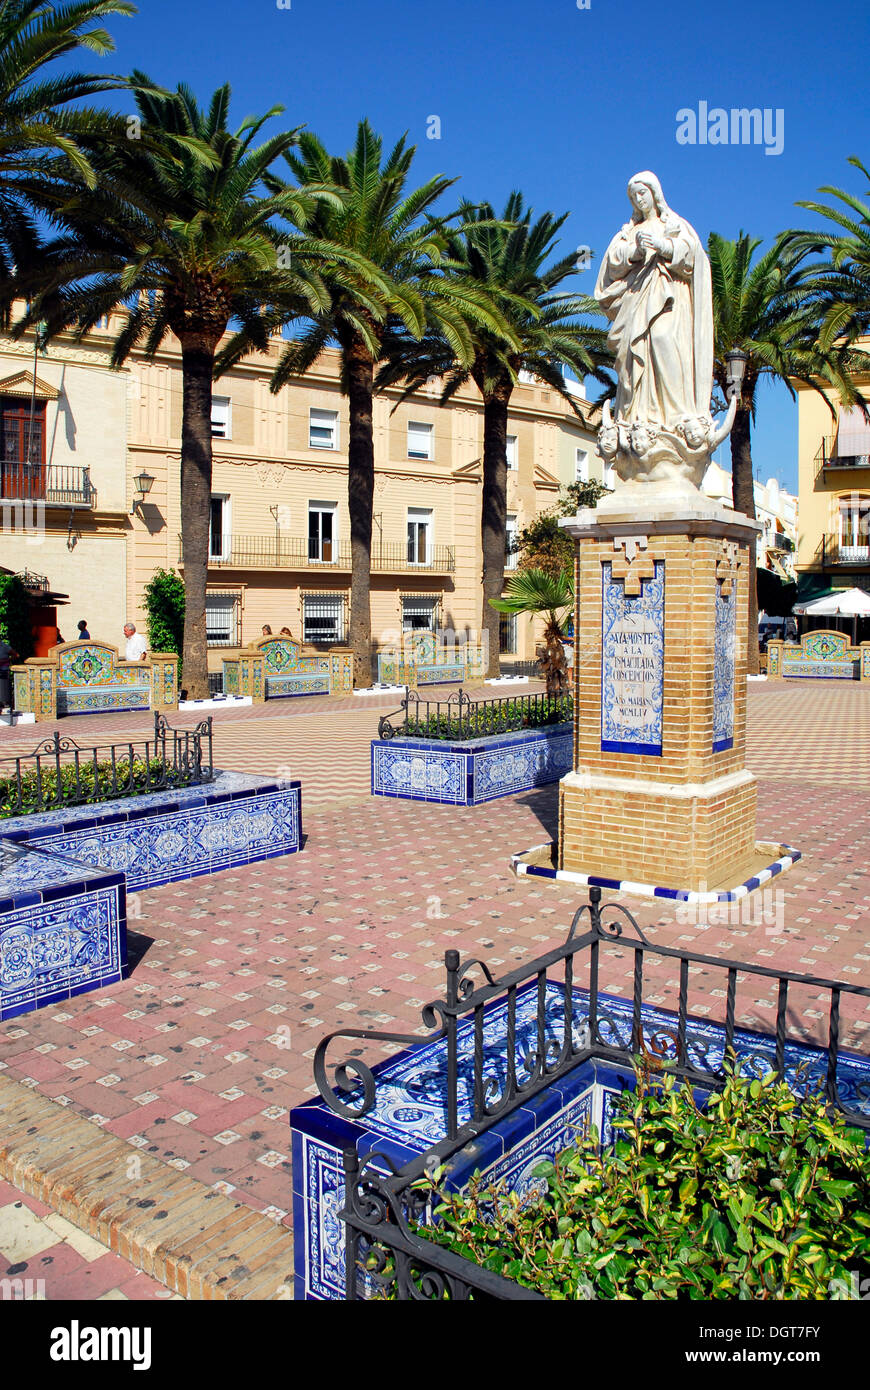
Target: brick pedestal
[(659, 793)]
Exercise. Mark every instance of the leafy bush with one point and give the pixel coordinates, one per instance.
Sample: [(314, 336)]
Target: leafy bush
[(164, 604), (759, 1195), (15, 616), (486, 717), (94, 783)]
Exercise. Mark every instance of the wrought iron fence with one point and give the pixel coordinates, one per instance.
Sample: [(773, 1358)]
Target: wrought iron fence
[(550, 1027), (60, 773), (460, 717)]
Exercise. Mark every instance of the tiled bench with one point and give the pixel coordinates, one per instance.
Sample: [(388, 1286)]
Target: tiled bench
[(423, 660), (820, 655), (90, 678), (277, 667)]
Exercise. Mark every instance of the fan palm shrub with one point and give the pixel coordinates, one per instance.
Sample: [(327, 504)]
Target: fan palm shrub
[(549, 595)]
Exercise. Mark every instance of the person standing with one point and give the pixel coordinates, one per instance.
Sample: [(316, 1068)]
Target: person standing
[(84, 635), (137, 647)]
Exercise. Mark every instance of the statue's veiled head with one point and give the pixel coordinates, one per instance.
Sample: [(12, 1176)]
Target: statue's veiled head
[(646, 196)]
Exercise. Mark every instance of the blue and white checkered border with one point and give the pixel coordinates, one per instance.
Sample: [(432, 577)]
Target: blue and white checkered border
[(787, 857)]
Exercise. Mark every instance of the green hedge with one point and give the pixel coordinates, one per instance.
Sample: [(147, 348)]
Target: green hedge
[(485, 718), (758, 1195), (15, 616), (95, 783), (164, 604)]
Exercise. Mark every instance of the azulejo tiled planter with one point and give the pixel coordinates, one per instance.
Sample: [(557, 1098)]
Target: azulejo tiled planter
[(64, 874), (505, 1072), (469, 771), (409, 1116), (63, 929)]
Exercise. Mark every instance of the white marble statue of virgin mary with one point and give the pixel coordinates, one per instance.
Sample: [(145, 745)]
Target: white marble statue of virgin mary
[(654, 285)]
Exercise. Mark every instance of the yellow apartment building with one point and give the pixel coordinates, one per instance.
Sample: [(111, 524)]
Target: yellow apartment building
[(280, 535), (834, 488)]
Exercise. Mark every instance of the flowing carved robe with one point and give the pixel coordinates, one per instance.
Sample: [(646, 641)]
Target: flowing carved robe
[(661, 333)]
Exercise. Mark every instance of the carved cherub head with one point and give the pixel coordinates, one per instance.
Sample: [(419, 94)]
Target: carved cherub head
[(640, 437), (695, 430), (608, 439)]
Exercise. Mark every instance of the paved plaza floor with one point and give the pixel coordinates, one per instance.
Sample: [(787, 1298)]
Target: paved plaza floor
[(198, 1057)]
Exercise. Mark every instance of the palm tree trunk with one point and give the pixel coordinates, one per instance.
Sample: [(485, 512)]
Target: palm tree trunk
[(360, 500), (197, 366), (744, 501), (493, 518)]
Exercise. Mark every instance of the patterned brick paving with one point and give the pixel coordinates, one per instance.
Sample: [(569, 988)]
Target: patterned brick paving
[(198, 1057), (45, 1257)]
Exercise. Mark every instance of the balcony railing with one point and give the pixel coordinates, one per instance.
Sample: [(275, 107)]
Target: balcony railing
[(834, 551), (58, 486), (828, 460), (296, 552)]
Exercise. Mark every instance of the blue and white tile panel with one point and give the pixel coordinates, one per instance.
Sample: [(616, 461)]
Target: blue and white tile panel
[(62, 929), (787, 857), (164, 837), (466, 773)]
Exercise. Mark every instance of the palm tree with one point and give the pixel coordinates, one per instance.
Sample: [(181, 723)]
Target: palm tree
[(844, 282), (383, 244), (181, 231), (767, 308), (40, 137), (548, 594), (506, 258)]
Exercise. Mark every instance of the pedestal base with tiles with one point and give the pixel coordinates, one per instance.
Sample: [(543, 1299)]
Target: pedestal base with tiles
[(659, 793)]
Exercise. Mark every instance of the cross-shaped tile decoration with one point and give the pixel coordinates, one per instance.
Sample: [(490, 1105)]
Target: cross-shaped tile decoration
[(632, 562), (727, 564)]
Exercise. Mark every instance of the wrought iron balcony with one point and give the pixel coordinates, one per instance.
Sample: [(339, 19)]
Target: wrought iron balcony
[(828, 461), (834, 551), (60, 485), (297, 552)]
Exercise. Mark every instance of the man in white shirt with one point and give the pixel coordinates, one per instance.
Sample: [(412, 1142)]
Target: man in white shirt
[(137, 647)]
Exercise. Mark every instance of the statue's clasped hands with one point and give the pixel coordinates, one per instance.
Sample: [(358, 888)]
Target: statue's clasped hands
[(648, 241)]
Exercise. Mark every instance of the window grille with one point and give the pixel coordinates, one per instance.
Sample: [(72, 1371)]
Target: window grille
[(323, 618), (223, 614)]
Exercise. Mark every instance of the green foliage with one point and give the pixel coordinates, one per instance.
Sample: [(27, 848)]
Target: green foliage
[(15, 615), (492, 717), (94, 782), (164, 603), (543, 544), (759, 1195), (585, 494), (43, 138)]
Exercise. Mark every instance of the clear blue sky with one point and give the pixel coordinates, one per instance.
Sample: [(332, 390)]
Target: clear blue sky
[(560, 102)]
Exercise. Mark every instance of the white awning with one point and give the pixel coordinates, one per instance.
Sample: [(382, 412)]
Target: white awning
[(853, 433), (850, 603)]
